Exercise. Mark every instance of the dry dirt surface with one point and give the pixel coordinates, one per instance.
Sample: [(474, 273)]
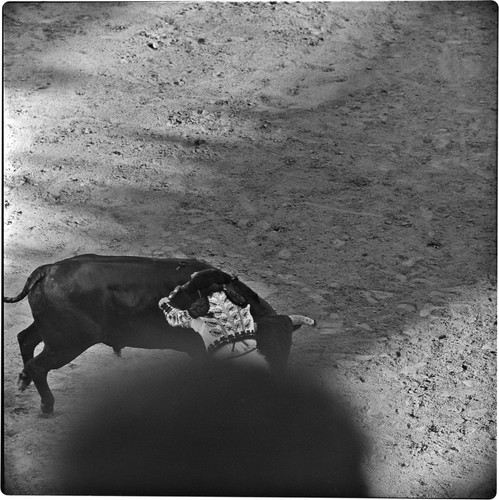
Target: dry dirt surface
[(339, 157)]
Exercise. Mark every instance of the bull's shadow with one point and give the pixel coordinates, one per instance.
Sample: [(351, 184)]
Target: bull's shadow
[(214, 430)]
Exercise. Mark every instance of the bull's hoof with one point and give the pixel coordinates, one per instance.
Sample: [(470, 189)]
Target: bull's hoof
[(47, 410), (47, 405), (23, 381)]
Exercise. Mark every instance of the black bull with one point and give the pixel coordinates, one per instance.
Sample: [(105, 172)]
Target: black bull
[(90, 299)]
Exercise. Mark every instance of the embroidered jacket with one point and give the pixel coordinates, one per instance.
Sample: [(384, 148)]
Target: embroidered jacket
[(226, 321)]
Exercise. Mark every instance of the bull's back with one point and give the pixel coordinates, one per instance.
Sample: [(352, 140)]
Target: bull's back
[(117, 273), (108, 281)]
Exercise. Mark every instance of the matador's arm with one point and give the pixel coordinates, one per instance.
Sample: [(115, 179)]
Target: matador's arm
[(175, 317)]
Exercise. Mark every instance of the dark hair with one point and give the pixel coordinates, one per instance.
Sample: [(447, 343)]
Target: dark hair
[(192, 296), (203, 281)]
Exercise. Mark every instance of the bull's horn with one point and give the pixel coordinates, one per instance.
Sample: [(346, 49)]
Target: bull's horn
[(297, 319)]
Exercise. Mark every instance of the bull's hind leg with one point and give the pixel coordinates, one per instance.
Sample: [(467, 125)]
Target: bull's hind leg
[(28, 340), (40, 365)]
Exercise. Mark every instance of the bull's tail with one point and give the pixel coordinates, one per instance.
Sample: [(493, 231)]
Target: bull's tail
[(34, 278)]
